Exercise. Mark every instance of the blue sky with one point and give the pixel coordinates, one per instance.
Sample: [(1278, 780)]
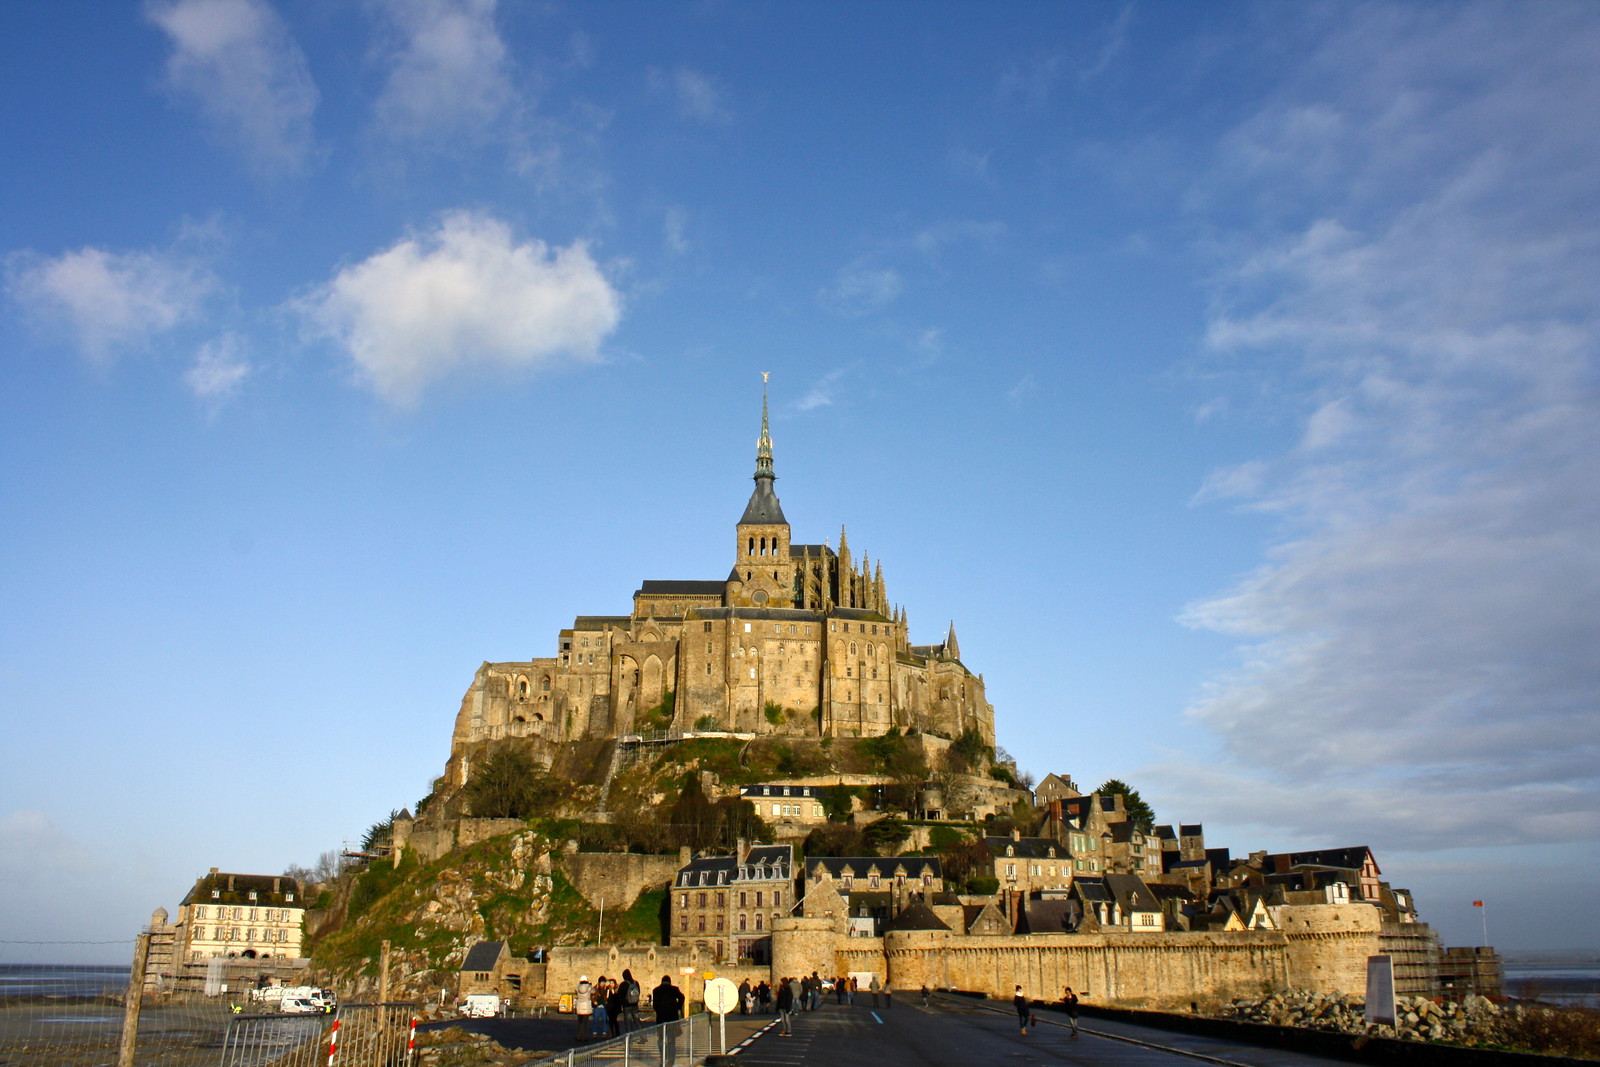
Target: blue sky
[(1226, 372)]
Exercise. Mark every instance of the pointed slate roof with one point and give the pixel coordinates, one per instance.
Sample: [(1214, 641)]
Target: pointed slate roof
[(763, 508), (917, 917)]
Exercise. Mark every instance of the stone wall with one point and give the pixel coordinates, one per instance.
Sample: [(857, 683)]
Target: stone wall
[(1328, 945), (617, 878), (1155, 970)]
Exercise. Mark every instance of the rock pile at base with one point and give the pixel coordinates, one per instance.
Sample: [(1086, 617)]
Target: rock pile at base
[(1475, 1021)]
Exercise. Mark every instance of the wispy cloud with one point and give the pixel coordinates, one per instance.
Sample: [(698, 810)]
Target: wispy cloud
[(220, 367), (108, 302), (675, 229), (861, 288), (449, 70), (1426, 627), (877, 278), (236, 61), (820, 395), (465, 294), (695, 95)]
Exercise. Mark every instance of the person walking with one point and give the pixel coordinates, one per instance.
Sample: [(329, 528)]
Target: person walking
[(850, 992), (667, 999), (872, 987), (744, 997), (1024, 1010), (785, 1004), (583, 1006), (1069, 1001), (927, 996)]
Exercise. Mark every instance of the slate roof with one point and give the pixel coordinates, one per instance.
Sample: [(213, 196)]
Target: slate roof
[(483, 956), (1028, 848), (861, 866), (819, 551), (763, 863), (1347, 858), (1164, 833), (917, 917), (1094, 890), (236, 889), (1164, 893), (1049, 916), (1219, 858), (686, 587), (1190, 829), (1132, 893), (780, 790), (763, 509)]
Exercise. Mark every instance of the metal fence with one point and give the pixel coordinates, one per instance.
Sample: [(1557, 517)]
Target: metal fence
[(677, 1044), (96, 1032), (281, 1040)]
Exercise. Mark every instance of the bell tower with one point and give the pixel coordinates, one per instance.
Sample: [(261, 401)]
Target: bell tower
[(763, 576)]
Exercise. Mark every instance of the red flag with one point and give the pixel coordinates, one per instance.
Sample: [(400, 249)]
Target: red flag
[(1477, 903)]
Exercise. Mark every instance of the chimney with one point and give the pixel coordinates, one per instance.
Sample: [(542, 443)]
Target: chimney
[(684, 855), (230, 883), (741, 848), (275, 884), (1016, 835)]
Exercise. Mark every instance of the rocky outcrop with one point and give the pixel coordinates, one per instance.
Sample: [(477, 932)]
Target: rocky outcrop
[(1475, 1021)]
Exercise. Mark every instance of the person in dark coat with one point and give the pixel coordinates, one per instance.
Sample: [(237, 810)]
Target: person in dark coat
[(1069, 1000), (785, 1004), (667, 999), (1024, 1010)]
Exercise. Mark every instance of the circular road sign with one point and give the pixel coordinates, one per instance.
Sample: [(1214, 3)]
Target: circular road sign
[(722, 996)]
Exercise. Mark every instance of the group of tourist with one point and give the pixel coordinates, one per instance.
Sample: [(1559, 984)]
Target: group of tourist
[(607, 1007)]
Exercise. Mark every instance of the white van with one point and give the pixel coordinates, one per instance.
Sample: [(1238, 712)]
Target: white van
[(298, 1006), (481, 1006)]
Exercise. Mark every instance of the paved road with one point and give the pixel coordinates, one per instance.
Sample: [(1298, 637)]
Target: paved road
[(955, 1032)]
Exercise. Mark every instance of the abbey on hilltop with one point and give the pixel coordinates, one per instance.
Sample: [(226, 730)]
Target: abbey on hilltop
[(798, 640)]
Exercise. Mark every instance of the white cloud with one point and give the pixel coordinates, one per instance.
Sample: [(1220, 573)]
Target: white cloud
[(696, 96), (108, 302), (219, 369), (674, 228), (1420, 282), (820, 395), (237, 62), (861, 288), (449, 68), (466, 294)]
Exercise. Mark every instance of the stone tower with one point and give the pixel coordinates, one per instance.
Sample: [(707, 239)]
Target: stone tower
[(763, 575)]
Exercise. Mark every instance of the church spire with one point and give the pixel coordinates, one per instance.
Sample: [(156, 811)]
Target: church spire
[(764, 445), (951, 647), (764, 509)]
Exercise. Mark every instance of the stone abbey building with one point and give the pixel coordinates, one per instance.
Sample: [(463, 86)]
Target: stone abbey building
[(798, 640)]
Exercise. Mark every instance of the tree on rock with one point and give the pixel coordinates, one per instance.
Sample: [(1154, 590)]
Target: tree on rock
[(1139, 813), (509, 784)]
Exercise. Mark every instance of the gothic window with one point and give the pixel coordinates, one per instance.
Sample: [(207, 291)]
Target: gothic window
[(750, 549)]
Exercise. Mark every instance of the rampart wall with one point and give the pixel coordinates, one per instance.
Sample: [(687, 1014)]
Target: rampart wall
[(616, 878)]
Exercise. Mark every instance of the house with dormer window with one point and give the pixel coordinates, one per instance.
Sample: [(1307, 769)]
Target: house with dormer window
[(1025, 864), (725, 905)]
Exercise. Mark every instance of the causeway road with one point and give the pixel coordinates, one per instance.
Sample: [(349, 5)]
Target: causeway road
[(961, 1032)]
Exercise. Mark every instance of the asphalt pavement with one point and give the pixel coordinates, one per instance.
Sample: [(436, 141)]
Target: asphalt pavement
[(959, 1032)]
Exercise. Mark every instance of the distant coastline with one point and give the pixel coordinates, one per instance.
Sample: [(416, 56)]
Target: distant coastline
[(41, 981)]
